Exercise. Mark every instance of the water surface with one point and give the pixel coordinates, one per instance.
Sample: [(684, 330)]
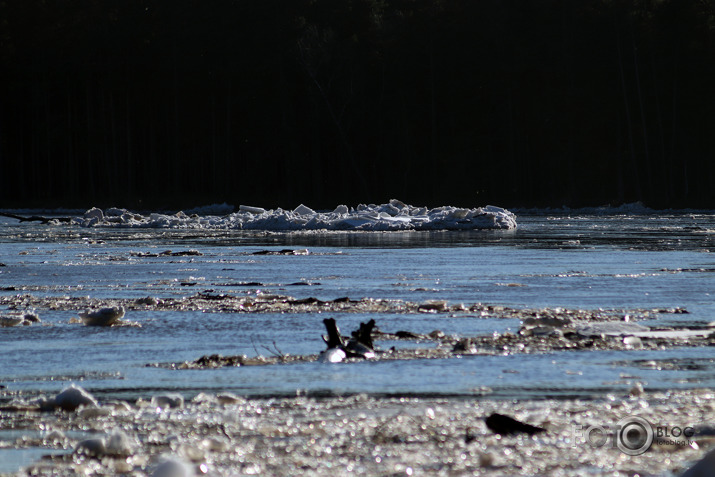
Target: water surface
[(587, 262)]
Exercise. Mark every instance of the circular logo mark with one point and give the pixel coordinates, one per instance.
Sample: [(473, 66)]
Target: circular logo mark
[(635, 435)]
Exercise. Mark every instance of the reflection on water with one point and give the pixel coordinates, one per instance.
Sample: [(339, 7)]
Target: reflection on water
[(13, 459), (577, 262)]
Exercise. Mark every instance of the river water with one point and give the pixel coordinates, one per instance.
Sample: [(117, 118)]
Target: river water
[(572, 261)]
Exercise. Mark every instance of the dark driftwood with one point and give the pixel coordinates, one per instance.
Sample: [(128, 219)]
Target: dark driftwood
[(36, 218), (308, 301), (285, 251), (355, 349), (359, 346), (505, 425), (334, 340), (364, 333)]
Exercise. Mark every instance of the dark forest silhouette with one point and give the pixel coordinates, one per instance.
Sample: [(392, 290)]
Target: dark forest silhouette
[(143, 104)]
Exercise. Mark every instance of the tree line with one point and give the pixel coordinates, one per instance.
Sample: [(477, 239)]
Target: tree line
[(158, 103)]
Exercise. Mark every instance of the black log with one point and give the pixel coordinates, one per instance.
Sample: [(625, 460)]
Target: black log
[(505, 425), (364, 333), (334, 340)]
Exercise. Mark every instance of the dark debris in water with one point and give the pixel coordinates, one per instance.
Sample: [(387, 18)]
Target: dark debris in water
[(670, 364), (690, 270), (210, 301), (282, 252), (543, 330), (214, 361), (443, 346), (167, 253)]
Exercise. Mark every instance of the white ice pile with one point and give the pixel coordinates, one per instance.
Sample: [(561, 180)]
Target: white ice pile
[(395, 215)]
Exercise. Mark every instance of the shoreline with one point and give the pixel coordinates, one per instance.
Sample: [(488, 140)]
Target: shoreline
[(224, 434)]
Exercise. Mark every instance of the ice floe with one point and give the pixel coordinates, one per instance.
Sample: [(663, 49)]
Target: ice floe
[(11, 320), (106, 316), (69, 399), (19, 318), (117, 444), (394, 215), (167, 400)]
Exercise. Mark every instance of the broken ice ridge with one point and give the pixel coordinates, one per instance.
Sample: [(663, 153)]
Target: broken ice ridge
[(392, 216)]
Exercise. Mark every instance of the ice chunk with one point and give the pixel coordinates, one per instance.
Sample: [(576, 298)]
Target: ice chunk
[(251, 210), (119, 444), (638, 331), (73, 397), (94, 213), (341, 210), (11, 320), (303, 210), (115, 212), (332, 355), (173, 468), (168, 400), (611, 329), (103, 317), (94, 447)]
